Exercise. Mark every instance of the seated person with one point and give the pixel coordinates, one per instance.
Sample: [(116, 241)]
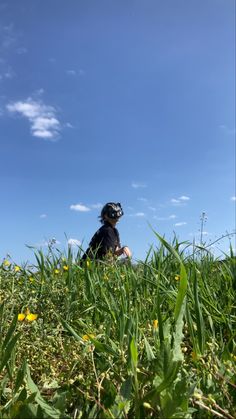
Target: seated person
[(106, 240)]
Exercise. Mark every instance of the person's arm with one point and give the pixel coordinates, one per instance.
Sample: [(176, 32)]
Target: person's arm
[(123, 251)]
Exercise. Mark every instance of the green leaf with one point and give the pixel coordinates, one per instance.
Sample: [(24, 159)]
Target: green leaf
[(50, 411), (183, 283), (20, 376), (126, 388), (10, 331), (134, 353), (8, 351), (149, 352)]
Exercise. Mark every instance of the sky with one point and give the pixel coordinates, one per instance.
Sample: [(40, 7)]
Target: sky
[(127, 101)]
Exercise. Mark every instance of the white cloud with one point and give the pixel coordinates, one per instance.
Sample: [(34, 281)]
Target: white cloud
[(180, 201), (43, 216), (137, 185), (180, 224), (97, 206), (233, 198), (142, 199), (170, 217), (46, 243), (74, 242), (139, 214), (174, 201), (71, 72), (184, 198), (79, 207), (42, 118)]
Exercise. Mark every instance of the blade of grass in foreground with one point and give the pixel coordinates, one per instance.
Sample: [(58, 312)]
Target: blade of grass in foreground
[(183, 277)]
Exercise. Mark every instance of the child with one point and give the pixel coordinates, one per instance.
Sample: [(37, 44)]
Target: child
[(106, 240)]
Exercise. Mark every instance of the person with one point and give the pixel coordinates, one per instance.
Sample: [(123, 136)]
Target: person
[(106, 240)]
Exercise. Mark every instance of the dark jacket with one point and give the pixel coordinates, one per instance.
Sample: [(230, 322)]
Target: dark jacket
[(105, 240)]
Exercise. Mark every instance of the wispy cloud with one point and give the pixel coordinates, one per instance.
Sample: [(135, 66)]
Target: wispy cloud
[(138, 214), (42, 118), (74, 242), (180, 224), (71, 72), (184, 198), (142, 199), (137, 185), (180, 201), (170, 217), (227, 130), (96, 206), (43, 216), (79, 207)]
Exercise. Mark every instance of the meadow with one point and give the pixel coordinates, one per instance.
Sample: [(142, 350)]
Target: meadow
[(154, 339)]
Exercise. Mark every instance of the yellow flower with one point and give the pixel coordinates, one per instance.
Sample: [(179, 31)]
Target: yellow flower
[(31, 279), (194, 356), (17, 268), (177, 277), (56, 271), (155, 324), (31, 317), (21, 317), (6, 263), (88, 337), (66, 268), (87, 263)]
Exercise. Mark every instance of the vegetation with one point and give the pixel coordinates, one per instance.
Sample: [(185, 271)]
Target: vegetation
[(116, 340)]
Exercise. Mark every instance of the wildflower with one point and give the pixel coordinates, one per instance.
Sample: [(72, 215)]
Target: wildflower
[(56, 271), (88, 263), (147, 405), (31, 279), (17, 268), (88, 337), (6, 263), (31, 317), (177, 277), (21, 317), (155, 324), (66, 268), (194, 356)]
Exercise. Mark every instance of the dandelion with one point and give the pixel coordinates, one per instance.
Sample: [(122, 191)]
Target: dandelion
[(177, 277), (21, 317), (155, 324), (6, 263), (31, 317), (88, 337), (17, 268), (66, 268), (56, 271)]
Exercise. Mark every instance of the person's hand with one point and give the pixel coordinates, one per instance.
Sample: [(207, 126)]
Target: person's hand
[(127, 252)]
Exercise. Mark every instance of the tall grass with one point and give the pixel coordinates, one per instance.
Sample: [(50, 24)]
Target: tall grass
[(151, 339)]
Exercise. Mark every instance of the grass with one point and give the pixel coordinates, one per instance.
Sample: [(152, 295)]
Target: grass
[(156, 339)]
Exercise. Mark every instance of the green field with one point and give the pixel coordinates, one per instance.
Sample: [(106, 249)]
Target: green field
[(155, 339)]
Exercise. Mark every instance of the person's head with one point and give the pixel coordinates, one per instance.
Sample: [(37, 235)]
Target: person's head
[(111, 212)]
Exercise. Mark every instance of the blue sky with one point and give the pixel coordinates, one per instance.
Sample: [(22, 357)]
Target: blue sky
[(125, 101)]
